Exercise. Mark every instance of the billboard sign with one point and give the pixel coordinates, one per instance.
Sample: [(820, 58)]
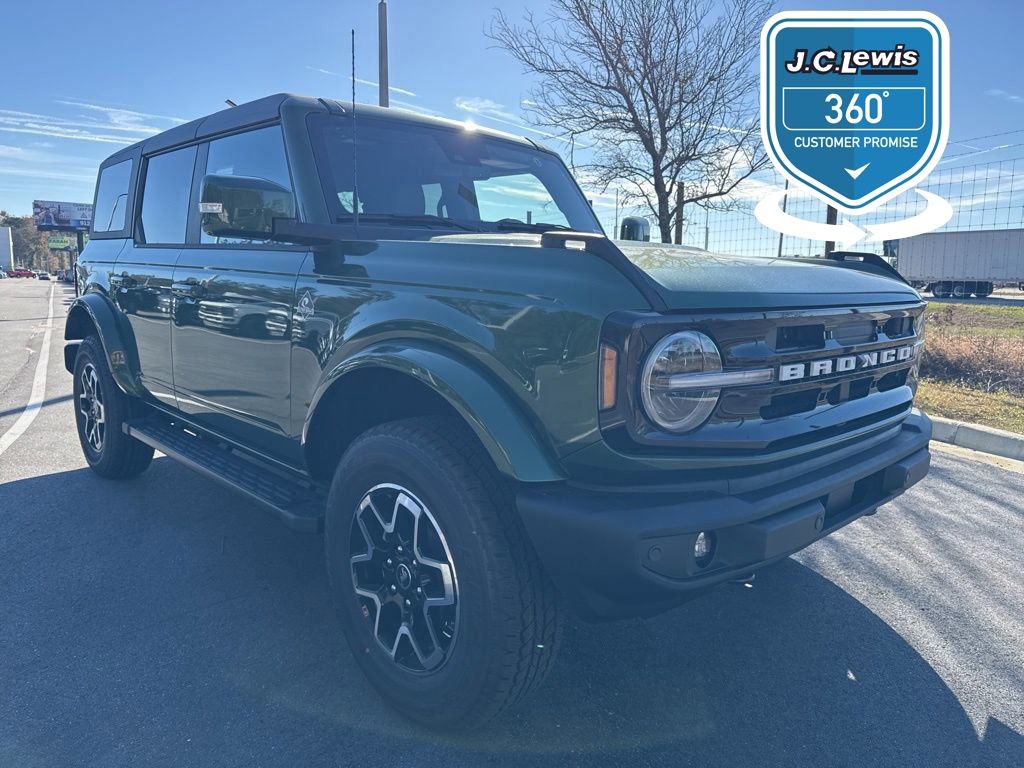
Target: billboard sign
[(60, 243), (50, 215)]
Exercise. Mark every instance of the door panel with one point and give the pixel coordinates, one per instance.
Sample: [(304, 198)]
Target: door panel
[(232, 342), (140, 285)]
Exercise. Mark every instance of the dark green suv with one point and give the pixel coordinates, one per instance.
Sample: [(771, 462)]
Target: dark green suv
[(413, 335)]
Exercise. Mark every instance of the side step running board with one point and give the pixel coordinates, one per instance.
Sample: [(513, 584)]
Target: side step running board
[(295, 501)]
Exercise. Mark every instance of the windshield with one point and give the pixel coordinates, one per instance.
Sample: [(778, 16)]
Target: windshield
[(418, 176)]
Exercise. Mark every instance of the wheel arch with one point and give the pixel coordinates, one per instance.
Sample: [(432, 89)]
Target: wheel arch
[(94, 313), (408, 381)]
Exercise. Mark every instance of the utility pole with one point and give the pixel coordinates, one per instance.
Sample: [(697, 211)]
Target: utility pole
[(707, 228), (679, 214), (785, 200), (830, 218), (382, 51), (616, 230)]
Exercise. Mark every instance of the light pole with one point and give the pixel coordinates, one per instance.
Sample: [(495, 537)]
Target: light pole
[(382, 51)]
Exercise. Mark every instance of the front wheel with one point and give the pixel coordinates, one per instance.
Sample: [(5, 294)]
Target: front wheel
[(101, 410), (440, 594)]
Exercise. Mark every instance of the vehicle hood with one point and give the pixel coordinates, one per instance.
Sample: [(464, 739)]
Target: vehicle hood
[(692, 278), (696, 279)]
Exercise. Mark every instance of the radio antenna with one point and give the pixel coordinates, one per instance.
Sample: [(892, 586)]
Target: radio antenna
[(355, 169)]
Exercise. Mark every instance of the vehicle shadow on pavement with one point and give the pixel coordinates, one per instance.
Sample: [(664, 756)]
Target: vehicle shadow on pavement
[(165, 621)]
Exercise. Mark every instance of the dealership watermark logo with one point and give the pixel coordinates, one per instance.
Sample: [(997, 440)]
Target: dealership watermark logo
[(854, 109)]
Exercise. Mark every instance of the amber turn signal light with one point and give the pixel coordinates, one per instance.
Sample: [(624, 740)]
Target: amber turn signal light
[(609, 365)]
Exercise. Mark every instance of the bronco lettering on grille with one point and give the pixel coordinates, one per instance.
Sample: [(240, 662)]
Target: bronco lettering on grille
[(845, 364)]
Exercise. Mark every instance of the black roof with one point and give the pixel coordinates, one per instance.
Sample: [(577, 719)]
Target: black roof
[(269, 108)]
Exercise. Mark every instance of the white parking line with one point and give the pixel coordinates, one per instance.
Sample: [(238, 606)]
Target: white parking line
[(35, 400)]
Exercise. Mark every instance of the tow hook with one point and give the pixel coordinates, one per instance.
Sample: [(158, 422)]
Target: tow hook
[(745, 580)]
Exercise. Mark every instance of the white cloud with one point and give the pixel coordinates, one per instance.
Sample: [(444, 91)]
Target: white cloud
[(115, 125), (121, 116), (414, 107), (999, 93), (361, 81), (49, 174)]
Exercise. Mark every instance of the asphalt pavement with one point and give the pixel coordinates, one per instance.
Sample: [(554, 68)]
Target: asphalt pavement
[(163, 621)]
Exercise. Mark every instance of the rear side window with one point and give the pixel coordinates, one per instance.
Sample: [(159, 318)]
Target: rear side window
[(112, 197), (258, 154), (165, 197)]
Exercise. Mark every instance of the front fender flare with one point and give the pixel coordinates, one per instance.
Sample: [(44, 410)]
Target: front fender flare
[(512, 443), (115, 333)]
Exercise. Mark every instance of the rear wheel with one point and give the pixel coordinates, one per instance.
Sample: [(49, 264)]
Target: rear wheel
[(440, 594), (940, 290), (101, 410), (960, 291)]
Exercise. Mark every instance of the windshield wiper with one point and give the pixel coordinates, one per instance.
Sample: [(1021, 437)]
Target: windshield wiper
[(516, 225), (417, 220)]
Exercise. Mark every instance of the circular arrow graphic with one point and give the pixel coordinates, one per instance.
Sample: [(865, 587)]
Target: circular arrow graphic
[(772, 216), (936, 213)]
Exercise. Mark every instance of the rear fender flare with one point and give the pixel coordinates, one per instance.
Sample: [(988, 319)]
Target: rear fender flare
[(115, 334)]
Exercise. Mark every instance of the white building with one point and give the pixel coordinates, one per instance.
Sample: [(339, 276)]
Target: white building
[(6, 249)]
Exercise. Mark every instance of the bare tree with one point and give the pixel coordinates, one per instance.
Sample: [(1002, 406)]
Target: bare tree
[(664, 91)]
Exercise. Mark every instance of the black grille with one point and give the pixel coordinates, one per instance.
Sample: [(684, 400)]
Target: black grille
[(765, 417)]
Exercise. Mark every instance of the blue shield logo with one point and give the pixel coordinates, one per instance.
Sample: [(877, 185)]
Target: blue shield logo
[(855, 104)]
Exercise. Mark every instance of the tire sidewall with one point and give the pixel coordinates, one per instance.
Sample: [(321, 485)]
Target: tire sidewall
[(86, 355), (382, 459), (121, 456)]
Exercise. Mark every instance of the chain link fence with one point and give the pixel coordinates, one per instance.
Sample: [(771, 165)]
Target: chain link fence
[(984, 196)]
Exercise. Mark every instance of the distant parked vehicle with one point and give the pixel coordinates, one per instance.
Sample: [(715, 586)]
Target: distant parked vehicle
[(962, 264), (20, 272), (44, 275), (3, 275)]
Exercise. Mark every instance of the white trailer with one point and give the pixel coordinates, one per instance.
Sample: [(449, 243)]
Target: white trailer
[(962, 263)]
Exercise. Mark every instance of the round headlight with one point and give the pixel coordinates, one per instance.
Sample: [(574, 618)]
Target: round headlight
[(670, 407)]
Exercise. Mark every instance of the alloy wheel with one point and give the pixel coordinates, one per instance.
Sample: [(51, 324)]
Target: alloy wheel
[(90, 405), (404, 578)]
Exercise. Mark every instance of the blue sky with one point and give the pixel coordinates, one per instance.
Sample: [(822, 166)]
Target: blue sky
[(81, 79)]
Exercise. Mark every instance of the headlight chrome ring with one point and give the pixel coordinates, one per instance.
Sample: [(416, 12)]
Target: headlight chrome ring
[(669, 406)]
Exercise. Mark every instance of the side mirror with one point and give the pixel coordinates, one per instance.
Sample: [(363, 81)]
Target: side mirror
[(635, 228), (243, 206)]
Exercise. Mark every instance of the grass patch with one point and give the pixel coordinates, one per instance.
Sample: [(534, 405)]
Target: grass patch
[(963, 403), (975, 346), (977, 319)]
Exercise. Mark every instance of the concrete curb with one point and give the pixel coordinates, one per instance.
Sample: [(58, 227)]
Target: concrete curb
[(978, 438)]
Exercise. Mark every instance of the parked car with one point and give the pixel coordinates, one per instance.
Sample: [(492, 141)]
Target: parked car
[(43, 275), (21, 272), (495, 413)]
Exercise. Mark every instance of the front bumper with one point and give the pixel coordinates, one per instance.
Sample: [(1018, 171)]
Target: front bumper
[(616, 553)]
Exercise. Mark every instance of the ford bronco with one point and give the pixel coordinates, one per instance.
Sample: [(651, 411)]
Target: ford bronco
[(414, 336)]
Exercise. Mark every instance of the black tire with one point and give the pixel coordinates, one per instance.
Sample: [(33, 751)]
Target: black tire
[(114, 455), (508, 623)]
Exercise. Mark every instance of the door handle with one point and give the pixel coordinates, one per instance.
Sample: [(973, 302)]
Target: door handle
[(122, 282), (190, 289)]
